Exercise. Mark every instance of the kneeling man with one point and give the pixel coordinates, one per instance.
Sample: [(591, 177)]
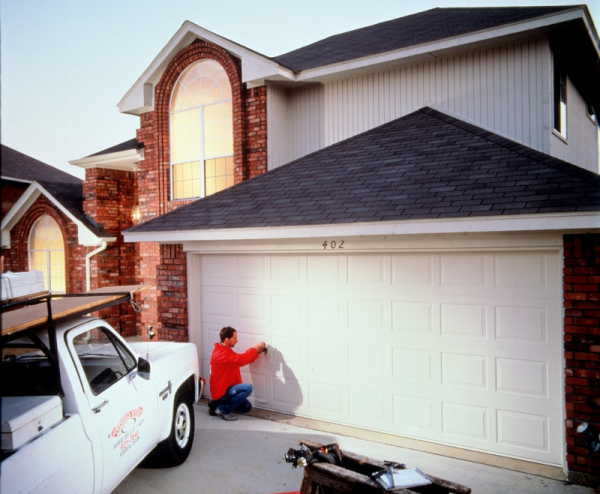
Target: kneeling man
[(226, 388)]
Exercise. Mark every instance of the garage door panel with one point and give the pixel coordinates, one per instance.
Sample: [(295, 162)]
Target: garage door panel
[(368, 314), (325, 355), (288, 350), (465, 421), (260, 383), (413, 365), (325, 311), (464, 320), (414, 271), (461, 348), (366, 404), (367, 359), (288, 309), (365, 269), (326, 270), (416, 317), (414, 413), (464, 370), (462, 270), (252, 306), (326, 399), (288, 392), (288, 268)]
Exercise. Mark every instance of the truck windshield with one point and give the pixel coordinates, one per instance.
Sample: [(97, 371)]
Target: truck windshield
[(103, 357)]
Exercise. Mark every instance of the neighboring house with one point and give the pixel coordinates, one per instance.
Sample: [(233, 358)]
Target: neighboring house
[(413, 226), (46, 226)]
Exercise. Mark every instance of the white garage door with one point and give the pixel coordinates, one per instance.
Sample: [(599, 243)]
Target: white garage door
[(460, 349)]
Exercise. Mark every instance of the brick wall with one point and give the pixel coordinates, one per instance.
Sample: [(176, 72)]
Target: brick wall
[(171, 277), (582, 351), (109, 196), (256, 135)]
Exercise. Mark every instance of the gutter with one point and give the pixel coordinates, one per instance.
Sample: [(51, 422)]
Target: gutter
[(88, 274)]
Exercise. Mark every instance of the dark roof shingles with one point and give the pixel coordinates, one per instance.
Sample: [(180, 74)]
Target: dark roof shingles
[(342, 183), (423, 27), (63, 187)]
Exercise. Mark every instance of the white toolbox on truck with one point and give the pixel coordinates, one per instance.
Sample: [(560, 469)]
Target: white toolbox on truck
[(26, 417)]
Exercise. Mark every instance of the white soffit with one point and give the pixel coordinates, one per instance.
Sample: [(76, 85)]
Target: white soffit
[(140, 98), (122, 160), (85, 236), (563, 222)]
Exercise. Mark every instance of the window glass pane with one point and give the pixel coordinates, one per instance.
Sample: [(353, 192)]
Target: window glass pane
[(210, 186), (103, 358), (46, 253), (201, 126)]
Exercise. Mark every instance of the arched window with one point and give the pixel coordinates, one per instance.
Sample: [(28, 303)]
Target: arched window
[(201, 132), (47, 253)]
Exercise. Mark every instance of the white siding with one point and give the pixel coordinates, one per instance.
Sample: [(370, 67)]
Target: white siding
[(504, 89), (581, 145), (295, 123)]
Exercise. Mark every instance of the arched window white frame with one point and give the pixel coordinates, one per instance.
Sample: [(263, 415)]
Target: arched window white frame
[(46, 251), (201, 130)]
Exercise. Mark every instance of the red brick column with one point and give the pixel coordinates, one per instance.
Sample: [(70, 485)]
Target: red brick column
[(171, 277), (582, 352), (109, 196), (256, 131)]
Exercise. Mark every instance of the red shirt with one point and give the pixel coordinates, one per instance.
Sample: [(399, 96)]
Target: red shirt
[(225, 368)]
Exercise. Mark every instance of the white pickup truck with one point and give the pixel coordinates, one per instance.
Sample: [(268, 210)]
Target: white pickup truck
[(80, 406)]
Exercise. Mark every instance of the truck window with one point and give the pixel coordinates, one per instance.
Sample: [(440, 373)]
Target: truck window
[(103, 357)]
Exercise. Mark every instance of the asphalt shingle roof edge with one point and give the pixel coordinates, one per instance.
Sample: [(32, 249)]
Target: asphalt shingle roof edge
[(411, 30)]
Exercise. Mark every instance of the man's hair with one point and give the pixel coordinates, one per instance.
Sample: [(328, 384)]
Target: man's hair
[(227, 332)]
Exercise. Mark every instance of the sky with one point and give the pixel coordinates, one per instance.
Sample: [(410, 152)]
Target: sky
[(65, 64)]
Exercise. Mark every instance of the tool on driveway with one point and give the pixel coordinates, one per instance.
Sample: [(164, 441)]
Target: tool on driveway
[(330, 470)]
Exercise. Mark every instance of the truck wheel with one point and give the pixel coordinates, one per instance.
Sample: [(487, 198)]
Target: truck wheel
[(175, 449), (179, 443)]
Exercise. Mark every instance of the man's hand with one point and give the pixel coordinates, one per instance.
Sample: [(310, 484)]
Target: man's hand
[(261, 347)]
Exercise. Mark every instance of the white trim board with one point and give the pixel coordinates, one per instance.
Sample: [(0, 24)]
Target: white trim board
[(561, 222)]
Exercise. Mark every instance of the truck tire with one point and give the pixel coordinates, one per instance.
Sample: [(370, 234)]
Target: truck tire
[(175, 449)]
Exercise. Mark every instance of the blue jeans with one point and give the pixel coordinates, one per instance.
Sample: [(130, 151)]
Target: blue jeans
[(235, 399)]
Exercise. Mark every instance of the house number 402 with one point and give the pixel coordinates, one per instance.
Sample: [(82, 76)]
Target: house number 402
[(333, 244)]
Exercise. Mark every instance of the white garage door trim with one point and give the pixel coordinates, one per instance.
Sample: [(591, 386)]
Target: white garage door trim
[(441, 316)]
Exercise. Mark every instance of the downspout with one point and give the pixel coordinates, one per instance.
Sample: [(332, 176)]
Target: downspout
[(88, 274)]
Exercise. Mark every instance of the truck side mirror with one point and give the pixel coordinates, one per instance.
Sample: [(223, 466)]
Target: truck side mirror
[(143, 368)]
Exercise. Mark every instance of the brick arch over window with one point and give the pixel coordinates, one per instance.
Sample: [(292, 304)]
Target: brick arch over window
[(154, 131), (18, 260)]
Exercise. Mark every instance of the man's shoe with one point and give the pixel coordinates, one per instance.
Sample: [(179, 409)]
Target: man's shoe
[(228, 418), (211, 409)]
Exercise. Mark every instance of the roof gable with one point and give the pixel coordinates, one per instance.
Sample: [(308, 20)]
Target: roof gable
[(426, 165), (68, 198), (140, 97)]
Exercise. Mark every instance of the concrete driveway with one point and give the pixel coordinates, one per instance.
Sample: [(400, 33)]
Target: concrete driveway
[(246, 457)]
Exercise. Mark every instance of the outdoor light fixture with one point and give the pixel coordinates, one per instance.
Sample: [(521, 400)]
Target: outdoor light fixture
[(136, 215), (592, 439)]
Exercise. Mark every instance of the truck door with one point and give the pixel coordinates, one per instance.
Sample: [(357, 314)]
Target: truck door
[(124, 416)]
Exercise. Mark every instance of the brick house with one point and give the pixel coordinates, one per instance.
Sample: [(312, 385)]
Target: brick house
[(408, 214), (48, 225)]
